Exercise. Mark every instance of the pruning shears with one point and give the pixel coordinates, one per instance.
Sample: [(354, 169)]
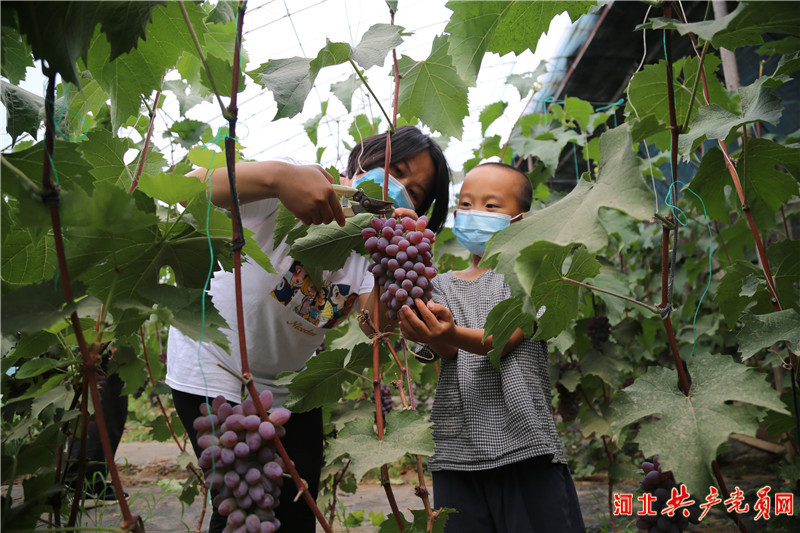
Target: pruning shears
[(362, 202)]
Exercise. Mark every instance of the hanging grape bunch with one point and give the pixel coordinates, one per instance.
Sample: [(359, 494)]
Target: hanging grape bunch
[(598, 329), (660, 485), (402, 260), (240, 462), (569, 402), (387, 404)]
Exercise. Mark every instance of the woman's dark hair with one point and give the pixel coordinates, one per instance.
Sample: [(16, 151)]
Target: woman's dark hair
[(407, 141)]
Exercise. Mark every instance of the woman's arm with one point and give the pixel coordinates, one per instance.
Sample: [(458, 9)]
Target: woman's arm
[(305, 190)]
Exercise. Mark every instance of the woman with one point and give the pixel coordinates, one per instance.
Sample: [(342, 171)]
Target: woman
[(278, 339)]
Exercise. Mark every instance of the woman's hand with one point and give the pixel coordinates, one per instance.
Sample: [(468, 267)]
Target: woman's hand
[(308, 194)]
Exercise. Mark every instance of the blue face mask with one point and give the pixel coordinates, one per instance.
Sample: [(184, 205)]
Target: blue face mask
[(473, 229), (396, 190)]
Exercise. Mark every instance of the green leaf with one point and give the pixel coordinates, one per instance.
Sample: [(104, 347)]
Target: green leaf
[(189, 132), (320, 383), (362, 127), (786, 270), (375, 44), (186, 100), (105, 153), (22, 108), (170, 188), (331, 54), (406, 432), (713, 122), (312, 125), (26, 259), (60, 32), (186, 312), (285, 222), (712, 183), (35, 307), (290, 82), (525, 82), (762, 331), (16, 56), (34, 367), (536, 137), (619, 186), (501, 323), (345, 89), (433, 91), (539, 270), (766, 187), (140, 71), (329, 245), (729, 295), (490, 113), (686, 432), (502, 27)]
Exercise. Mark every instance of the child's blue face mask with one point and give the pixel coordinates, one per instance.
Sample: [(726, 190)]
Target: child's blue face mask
[(396, 190), (473, 229)]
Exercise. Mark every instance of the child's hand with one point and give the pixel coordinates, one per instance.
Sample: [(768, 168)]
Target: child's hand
[(401, 212), (434, 323)]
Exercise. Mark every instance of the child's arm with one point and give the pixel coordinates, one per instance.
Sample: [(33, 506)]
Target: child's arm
[(436, 328)]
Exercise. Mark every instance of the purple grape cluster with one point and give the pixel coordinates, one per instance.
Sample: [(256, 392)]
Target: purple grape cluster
[(660, 485), (402, 260), (240, 462), (598, 328), (387, 404)]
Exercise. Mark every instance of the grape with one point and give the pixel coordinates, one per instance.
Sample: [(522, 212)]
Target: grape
[(239, 447), (279, 416), (598, 328), (660, 484), (404, 264), (371, 244)]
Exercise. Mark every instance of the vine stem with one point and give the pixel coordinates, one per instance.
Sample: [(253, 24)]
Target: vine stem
[(724, 488), (51, 196), (205, 62), (369, 88), (649, 307), (140, 167)]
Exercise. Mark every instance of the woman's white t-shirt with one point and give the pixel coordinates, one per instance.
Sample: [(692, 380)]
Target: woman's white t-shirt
[(285, 315)]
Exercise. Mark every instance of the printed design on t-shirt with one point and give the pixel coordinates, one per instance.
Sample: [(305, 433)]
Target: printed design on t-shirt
[(322, 307)]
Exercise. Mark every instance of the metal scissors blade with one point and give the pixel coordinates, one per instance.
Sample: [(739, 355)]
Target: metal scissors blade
[(363, 202)]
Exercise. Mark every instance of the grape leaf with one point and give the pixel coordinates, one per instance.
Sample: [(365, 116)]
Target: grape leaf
[(184, 308), (140, 71), (290, 82), (105, 153), (745, 25), (420, 523), (186, 101), (544, 140), (539, 270), (433, 91), (490, 113), (376, 42), (22, 108), (766, 187), (170, 188), (786, 270), (709, 183), (25, 259), (619, 186), (345, 89), (502, 27), (321, 381), (698, 424), (713, 122), (16, 56), (329, 245), (406, 432), (762, 331), (35, 307), (60, 32), (502, 321)]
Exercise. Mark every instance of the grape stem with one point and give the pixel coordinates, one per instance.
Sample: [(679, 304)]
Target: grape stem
[(649, 307)]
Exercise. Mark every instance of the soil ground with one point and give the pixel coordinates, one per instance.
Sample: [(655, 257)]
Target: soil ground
[(153, 480)]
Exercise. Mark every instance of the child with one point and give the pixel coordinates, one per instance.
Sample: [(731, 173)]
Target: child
[(498, 460)]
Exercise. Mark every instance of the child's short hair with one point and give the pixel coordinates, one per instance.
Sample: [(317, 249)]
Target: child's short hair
[(524, 192)]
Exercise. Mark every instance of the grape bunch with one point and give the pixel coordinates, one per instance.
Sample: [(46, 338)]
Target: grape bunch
[(660, 485), (569, 402), (240, 462), (387, 404), (598, 329), (402, 260)]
